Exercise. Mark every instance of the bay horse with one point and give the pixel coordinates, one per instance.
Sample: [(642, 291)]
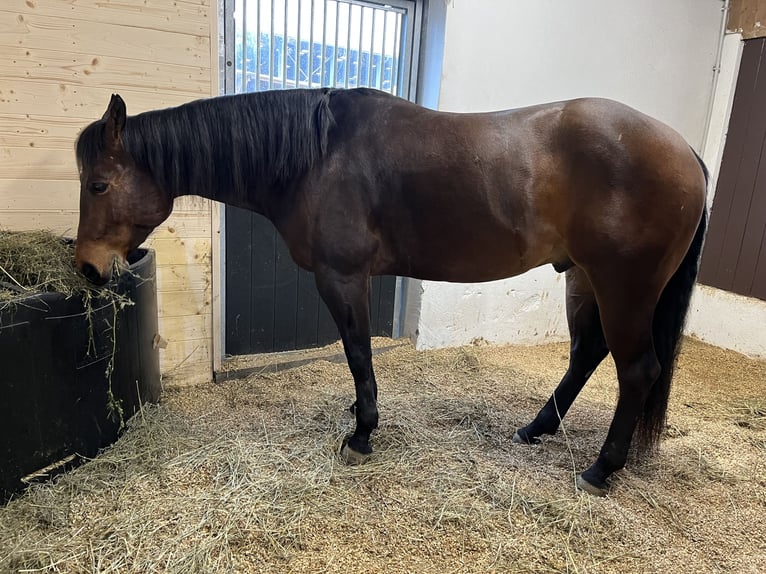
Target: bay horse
[(361, 183)]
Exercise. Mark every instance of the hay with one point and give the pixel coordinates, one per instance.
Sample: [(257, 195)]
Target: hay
[(245, 477), (37, 262)]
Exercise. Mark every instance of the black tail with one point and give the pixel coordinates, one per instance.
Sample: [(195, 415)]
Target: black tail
[(669, 320)]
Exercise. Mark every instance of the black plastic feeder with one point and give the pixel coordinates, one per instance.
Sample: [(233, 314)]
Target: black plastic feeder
[(57, 403)]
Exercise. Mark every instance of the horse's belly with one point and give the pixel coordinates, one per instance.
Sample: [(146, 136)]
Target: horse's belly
[(466, 261)]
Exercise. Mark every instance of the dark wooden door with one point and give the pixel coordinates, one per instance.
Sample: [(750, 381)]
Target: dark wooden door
[(734, 258), (272, 304)]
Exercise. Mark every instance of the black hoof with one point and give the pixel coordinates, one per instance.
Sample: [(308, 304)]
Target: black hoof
[(592, 485), (521, 437), (352, 456), (362, 447)]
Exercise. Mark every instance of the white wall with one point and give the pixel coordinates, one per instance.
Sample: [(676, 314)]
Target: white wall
[(726, 319), (720, 108), (655, 55)]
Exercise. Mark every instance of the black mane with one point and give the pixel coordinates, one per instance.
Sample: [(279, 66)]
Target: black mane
[(224, 145)]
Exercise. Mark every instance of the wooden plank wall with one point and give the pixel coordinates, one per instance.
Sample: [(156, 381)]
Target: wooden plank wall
[(748, 17), (734, 258), (60, 60)]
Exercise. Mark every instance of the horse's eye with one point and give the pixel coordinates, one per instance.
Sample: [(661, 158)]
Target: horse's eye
[(98, 187)]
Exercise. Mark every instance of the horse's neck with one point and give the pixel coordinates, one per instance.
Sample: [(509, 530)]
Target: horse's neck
[(248, 176), (256, 198)]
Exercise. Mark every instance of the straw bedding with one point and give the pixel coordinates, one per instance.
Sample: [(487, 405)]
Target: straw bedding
[(244, 476)]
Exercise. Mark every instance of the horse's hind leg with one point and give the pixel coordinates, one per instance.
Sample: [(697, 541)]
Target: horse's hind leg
[(346, 297), (627, 302), (587, 349)]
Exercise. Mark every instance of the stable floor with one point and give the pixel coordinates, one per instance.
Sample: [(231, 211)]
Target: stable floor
[(244, 476)]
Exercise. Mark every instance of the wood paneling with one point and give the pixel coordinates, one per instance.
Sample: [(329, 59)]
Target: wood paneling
[(32, 194), (192, 351), (36, 194), (85, 102), (181, 251), (187, 363), (50, 132), (187, 328), (183, 303), (116, 73), (61, 222), (181, 277), (185, 225), (159, 15), (186, 374), (60, 61), (734, 258), (31, 31), (747, 17), (38, 163)]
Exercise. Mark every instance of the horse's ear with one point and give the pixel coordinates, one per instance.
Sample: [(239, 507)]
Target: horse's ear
[(115, 121)]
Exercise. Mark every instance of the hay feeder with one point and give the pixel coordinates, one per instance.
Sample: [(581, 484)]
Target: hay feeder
[(74, 367)]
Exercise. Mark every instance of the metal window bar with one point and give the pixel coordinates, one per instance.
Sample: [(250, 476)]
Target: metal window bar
[(347, 58), (383, 52), (335, 48), (271, 46), (244, 46), (310, 55), (261, 48), (383, 55), (371, 53), (395, 68), (298, 50), (362, 10), (284, 47), (324, 43)]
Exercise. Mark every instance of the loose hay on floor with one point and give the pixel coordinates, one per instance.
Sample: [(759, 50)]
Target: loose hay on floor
[(244, 477)]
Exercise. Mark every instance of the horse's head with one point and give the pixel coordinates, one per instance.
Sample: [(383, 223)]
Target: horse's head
[(120, 203)]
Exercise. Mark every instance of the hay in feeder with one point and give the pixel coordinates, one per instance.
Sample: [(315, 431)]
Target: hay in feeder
[(245, 476), (34, 262), (37, 262)]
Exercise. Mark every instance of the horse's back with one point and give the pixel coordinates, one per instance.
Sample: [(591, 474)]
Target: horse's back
[(480, 196)]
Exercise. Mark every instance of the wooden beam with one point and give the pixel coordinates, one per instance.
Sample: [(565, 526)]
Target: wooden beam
[(748, 17)]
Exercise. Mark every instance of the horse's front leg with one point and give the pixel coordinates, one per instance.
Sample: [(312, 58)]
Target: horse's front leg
[(346, 296)]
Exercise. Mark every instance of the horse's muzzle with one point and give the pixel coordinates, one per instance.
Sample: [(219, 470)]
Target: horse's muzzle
[(94, 261), (91, 274)]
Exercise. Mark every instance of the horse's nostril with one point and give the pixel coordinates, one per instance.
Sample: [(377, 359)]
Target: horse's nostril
[(92, 274)]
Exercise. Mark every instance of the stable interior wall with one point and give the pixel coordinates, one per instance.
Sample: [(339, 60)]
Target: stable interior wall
[(654, 55), (60, 61), (718, 317)]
